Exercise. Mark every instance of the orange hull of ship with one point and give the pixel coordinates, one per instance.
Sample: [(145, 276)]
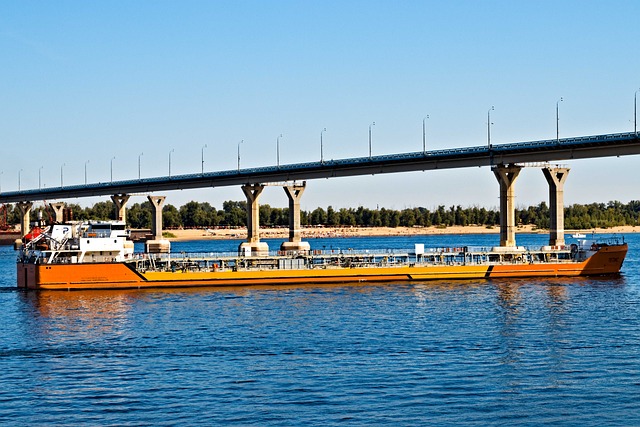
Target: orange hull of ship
[(608, 260)]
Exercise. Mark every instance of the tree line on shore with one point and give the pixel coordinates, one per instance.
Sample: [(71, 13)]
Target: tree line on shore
[(233, 214)]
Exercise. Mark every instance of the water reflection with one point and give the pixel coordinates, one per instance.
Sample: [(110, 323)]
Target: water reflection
[(82, 314), (508, 310)]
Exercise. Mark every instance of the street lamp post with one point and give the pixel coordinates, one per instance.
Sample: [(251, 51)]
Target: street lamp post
[(558, 120), (40, 178), (202, 157), (172, 150), (61, 175), (239, 154), (112, 159), (85, 172), (278, 149), (635, 112), (139, 155), (321, 153), (489, 126), (424, 134), (372, 124)]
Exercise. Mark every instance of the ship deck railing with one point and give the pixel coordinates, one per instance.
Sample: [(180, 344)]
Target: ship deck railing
[(327, 253), (194, 265), (467, 255), (350, 258)]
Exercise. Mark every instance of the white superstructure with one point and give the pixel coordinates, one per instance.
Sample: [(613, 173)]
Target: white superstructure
[(84, 242)]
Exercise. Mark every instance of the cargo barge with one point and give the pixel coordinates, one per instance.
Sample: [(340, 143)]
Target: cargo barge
[(100, 255)]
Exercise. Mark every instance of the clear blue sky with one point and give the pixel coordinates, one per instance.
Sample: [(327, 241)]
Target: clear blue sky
[(88, 81)]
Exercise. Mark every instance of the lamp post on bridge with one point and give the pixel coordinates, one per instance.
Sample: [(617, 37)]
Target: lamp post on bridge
[(278, 149), (61, 175), (424, 134), (172, 150), (635, 112), (489, 127), (558, 120), (112, 159), (321, 153), (239, 154), (139, 155), (372, 124), (202, 157)]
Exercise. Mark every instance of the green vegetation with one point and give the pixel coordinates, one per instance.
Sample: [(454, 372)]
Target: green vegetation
[(233, 214)]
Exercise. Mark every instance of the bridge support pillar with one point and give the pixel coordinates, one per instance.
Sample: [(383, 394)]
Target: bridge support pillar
[(556, 178), (253, 245), (295, 243), (25, 221), (506, 176), (120, 200), (58, 209), (157, 244)]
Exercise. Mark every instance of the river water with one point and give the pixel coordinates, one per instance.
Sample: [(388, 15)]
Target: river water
[(500, 352)]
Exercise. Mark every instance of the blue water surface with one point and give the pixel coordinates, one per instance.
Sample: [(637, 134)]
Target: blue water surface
[(499, 352)]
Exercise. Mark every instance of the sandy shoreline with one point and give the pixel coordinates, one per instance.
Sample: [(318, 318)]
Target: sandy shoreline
[(317, 232)]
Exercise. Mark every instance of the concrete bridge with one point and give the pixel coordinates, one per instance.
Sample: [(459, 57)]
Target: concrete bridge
[(506, 161)]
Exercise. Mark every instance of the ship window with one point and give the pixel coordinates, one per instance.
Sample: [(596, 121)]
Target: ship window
[(88, 241)]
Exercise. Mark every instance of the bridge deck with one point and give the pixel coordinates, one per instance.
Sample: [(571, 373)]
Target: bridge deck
[(618, 144)]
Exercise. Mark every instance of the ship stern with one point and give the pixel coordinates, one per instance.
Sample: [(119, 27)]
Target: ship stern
[(27, 276)]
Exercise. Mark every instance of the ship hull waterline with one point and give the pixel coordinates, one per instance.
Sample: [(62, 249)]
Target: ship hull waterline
[(120, 275)]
